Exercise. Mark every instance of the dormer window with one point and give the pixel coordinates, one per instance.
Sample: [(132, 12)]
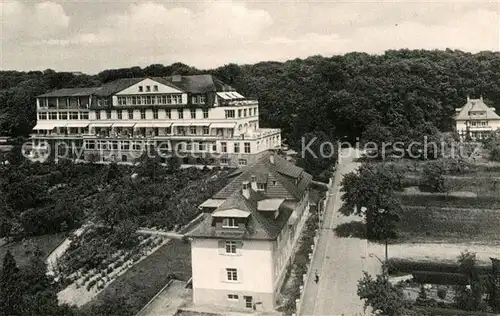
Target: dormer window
[(148, 88), (261, 186), (229, 222), (245, 185), (274, 182), (155, 88), (140, 89)]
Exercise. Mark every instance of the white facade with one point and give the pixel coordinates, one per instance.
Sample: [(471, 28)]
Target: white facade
[(160, 115)]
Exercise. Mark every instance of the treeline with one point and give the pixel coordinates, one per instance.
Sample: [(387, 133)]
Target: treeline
[(399, 95)]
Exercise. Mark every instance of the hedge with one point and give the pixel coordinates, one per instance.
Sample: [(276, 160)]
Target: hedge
[(435, 200), (408, 266), (428, 277), (436, 311)]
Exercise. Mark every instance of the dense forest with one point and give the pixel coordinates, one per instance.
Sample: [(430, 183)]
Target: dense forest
[(399, 95)]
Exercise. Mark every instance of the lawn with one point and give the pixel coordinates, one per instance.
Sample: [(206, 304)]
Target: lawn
[(435, 223), (20, 249), (141, 282)]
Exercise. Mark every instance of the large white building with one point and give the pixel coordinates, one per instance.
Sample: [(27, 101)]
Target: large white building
[(241, 250), (198, 118), (476, 120)]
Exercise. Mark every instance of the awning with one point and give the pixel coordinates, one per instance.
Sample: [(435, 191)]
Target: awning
[(224, 95), (77, 124), (223, 125), (199, 124), (231, 213), (162, 124), (144, 125), (124, 124), (45, 126), (211, 203), (101, 125)]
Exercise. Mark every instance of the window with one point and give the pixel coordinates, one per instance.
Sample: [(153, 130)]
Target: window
[(232, 297), (236, 147), (224, 161), (98, 115), (73, 115), (242, 162), (153, 99), (188, 146), (139, 100), (143, 114), (194, 100), (229, 113), (129, 100), (230, 246), (42, 116), (201, 147), (155, 114), (178, 98), (140, 89), (130, 114), (119, 114), (239, 113), (168, 113), (232, 274), (247, 148), (63, 116), (245, 112), (181, 113), (201, 99), (148, 88), (205, 113), (223, 147), (155, 88), (169, 99), (261, 186), (108, 115), (148, 99), (84, 115), (193, 113), (53, 116), (134, 100), (162, 100), (250, 112), (192, 130), (229, 223), (206, 130)]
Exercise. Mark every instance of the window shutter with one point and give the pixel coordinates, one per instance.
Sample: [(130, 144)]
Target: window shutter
[(222, 246), (240, 275), (239, 246)]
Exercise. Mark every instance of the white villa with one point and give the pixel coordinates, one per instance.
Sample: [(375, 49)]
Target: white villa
[(476, 120), (241, 249)]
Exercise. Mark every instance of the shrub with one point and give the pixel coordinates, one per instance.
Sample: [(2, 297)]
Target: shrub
[(91, 284), (408, 266), (441, 292), (109, 269)]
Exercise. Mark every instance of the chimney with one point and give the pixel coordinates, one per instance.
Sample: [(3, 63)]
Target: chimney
[(481, 97), (176, 78), (271, 159), (468, 98), (254, 182), (246, 189)]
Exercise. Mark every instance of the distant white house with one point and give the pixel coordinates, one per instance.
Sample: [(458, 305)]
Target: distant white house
[(476, 120)]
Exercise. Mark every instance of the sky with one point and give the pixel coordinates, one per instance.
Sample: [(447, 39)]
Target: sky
[(94, 35)]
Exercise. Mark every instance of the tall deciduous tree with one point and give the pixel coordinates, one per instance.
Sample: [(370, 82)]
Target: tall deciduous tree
[(10, 290)]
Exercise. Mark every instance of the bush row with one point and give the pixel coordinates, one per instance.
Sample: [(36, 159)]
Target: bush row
[(436, 311), (428, 277), (408, 266), (488, 202)]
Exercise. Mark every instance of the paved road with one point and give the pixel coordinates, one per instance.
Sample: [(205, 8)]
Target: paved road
[(339, 261)]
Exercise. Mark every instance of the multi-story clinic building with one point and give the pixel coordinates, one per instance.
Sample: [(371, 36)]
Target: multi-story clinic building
[(192, 116)]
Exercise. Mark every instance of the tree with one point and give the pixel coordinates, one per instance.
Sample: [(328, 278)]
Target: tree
[(368, 192), (382, 296), (433, 176), (469, 297), (494, 286), (10, 292), (318, 153)]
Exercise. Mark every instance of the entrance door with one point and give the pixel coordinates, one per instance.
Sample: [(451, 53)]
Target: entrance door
[(248, 301)]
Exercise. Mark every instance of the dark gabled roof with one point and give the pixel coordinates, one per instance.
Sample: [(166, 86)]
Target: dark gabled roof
[(258, 226), (291, 181), (116, 86), (71, 92), (191, 84)]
